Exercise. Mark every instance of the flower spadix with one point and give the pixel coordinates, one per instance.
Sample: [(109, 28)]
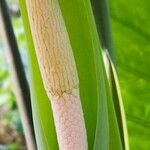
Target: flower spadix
[(58, 70)]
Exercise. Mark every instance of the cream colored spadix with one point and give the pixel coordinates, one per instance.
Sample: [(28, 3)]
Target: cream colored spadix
[(58, 69)]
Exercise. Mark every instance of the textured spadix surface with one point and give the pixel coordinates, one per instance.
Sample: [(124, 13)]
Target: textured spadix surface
[(52, 45), (58, 71)]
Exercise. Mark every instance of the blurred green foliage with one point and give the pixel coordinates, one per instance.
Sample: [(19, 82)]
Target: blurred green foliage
[(7, 98), (131, 34)]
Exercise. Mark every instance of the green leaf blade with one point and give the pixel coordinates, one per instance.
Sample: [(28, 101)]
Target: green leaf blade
[(42, 113)]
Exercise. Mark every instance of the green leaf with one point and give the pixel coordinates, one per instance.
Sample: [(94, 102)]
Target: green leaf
[(86, 46), (42, 113), (131, 34), (101, 13)]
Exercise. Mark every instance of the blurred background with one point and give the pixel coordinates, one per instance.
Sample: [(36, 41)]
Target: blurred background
[(11, 131)]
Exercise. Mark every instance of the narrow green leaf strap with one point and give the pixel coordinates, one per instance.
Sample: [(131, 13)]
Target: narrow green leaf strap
[(118, 103), (42, 113)]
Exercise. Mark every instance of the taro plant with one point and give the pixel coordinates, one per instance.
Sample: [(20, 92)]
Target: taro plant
[(75, 96)]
